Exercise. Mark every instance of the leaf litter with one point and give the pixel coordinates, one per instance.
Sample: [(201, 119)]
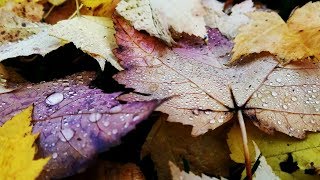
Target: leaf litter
[(205, 90), (75, 122)]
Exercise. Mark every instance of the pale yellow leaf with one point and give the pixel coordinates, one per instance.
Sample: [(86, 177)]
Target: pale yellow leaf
[(296, 40), (93, 35), (57, 2), (17, 150), (177, 174), (228, 25), (95, 3), (276, 148), (157, 17)]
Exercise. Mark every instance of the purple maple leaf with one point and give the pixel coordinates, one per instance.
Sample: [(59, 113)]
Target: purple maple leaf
[(75, 122)]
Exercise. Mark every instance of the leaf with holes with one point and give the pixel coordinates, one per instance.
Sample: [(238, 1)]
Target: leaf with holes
[(75, 122), (206, 93)]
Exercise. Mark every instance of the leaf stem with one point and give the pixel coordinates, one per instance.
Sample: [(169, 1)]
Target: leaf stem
[(78, 11), (75, 12), (48, 13), (245, 145)]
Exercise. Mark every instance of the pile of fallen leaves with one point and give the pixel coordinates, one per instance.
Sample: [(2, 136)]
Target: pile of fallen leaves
[(218, 90)]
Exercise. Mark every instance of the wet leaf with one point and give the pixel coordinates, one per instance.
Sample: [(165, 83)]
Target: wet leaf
[(16, 149), (158, 17), (206, 93), (228, 25), (177, 174), (291, 41), (93, 35), (75, 122), (263, 171), (14, 28), (276, 149), (105, 170), (30, 10), (173, 142)]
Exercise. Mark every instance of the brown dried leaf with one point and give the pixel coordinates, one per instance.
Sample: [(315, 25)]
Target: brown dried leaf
[(206, 93), (173, 142)]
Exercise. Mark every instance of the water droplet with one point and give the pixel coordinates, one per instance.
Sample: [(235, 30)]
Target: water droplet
[(135, 118), (94, 117), (54, 155), (279, 122), (106, 123), (285, 106), (66, 134), (153, 87), (278, 80), (116, 109), (196, 112), (54, 99), (294, 98), (211, 121), (274, 93), (114, 131)]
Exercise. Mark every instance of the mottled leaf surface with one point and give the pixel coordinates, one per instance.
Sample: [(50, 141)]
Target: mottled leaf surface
[(205, 93), (75, 122)]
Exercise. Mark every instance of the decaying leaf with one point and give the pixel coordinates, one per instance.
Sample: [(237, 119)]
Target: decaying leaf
[(296, 40), (16, 149), (177, 174), (228, 25), (107, 170), (276, 149), (75, 122), (14, 28), (93, 35), (159, 17), (205, 93), (30, 10), (173, 142)]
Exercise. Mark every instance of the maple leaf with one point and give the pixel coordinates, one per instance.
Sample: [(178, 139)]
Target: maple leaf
[(263, 171), (172, 142), (158, 17), (293, 41), (276, 149), (206, 93), (17, 150), (94, 36), (177, 174), (228, 25), (75, 122)]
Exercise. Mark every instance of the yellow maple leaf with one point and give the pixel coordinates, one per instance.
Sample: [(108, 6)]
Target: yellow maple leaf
[(295, 40), (275, 149), (17, 150)]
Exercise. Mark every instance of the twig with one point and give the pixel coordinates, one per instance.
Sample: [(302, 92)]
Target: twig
[(245, 145)]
